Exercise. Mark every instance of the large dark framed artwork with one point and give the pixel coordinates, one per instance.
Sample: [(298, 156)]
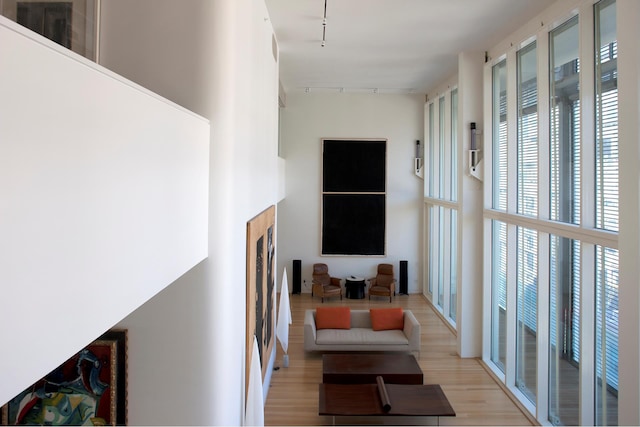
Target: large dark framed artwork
[(353, 224), (52, 20), (354, 176), (88, 389), (260, 287), (70, 23)]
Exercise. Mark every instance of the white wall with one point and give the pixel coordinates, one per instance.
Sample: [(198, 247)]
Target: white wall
[(187, 348), (103, 201), (306, 119)]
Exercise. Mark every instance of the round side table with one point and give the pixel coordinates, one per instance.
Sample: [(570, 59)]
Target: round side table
[(354, 287)]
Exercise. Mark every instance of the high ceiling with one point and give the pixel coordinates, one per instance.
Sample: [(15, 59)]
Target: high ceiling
[(398, 46)]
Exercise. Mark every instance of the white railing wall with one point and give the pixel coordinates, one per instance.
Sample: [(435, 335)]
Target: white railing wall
[(103, 201)]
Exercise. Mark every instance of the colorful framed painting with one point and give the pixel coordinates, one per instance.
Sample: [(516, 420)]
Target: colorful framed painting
[(260, 287), (88, 389)]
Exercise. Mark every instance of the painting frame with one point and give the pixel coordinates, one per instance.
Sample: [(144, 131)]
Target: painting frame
[(81, 32), (62, 385), (260, 314), (354, 200)]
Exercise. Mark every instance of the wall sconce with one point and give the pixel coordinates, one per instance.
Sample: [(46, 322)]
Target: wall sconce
[(475, 154), (418, 163)]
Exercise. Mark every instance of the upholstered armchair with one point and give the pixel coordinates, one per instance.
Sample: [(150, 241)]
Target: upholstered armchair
[(384, 284), (323, 285)]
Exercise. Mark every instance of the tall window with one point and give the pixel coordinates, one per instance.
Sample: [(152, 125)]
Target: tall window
[(526, 311), (554, 271), (441, 203), (527, 254), (454, 145), (441, 148), (499, 121), (564, 194), (430, 260), (564, 123), (564, 331), (431, 143), (453, 282), (606, 348), (498, 228), (606, 117), (499, 293), (441, 256), (527, 131), (440, 177), (606, 155)]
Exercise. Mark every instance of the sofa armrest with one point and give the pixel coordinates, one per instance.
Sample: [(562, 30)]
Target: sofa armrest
[(309, 330), (412, 330)]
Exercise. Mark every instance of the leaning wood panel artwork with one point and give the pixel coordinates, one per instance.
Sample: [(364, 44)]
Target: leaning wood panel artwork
[(260, 287)]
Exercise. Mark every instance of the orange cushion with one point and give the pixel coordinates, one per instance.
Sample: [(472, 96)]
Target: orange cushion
[(383, 319), (333, 318)]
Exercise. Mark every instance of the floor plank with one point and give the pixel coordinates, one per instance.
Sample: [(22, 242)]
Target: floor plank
[(473, 394)]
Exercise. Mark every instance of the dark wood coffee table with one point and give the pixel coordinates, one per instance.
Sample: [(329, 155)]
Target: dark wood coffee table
[(358, 368), (364, 400)]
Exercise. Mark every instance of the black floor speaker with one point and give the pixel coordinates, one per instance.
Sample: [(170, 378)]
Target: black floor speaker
[(404, 278), (297, 276)]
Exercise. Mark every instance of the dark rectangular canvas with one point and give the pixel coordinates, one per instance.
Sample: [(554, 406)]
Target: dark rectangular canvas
[(353, 224), (354, 165)]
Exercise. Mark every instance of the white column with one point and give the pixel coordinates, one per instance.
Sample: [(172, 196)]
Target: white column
[(628, 16), (469, 320)]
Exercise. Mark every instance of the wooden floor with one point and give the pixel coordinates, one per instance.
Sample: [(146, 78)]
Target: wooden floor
[(476, 398)]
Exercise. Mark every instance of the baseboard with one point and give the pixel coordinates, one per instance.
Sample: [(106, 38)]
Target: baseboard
[(519, 405), (440, 315)]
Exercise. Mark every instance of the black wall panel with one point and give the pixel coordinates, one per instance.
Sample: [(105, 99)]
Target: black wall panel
[(353, 224), (354, 166)]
